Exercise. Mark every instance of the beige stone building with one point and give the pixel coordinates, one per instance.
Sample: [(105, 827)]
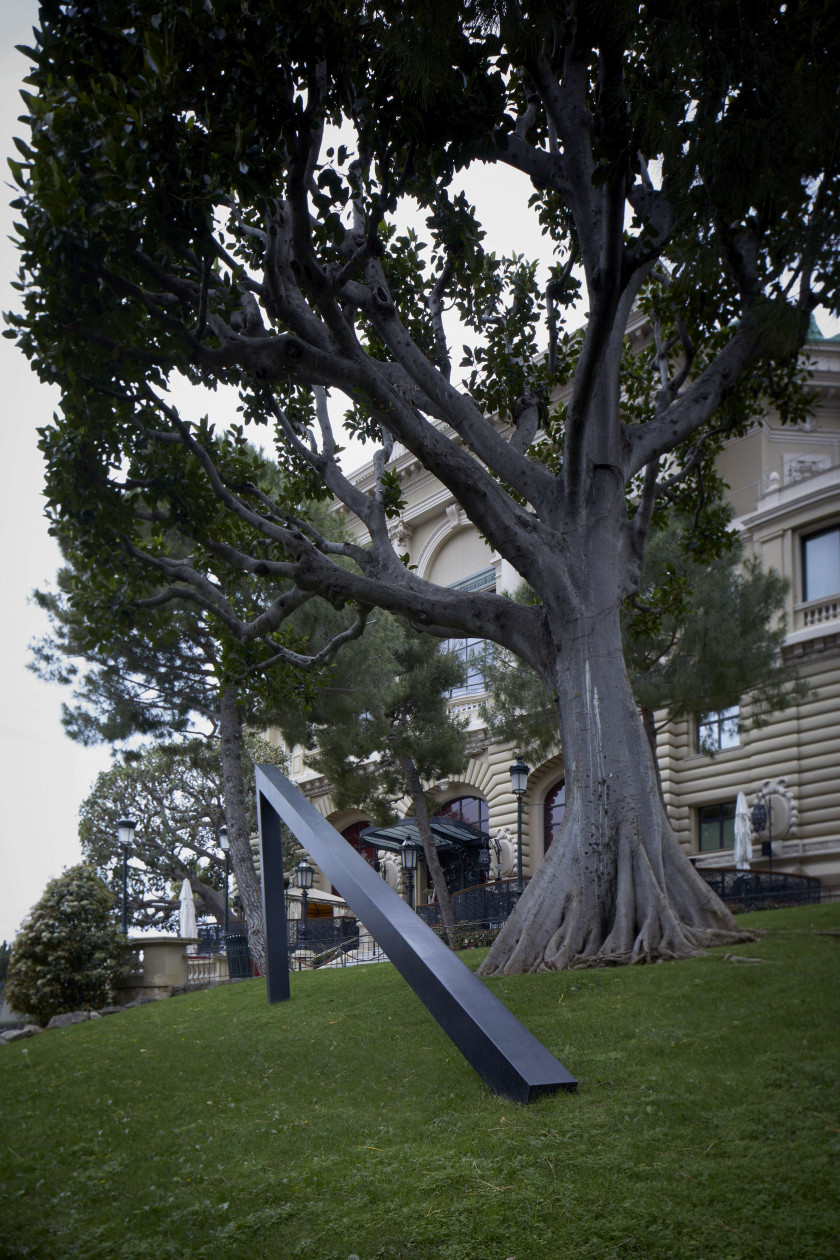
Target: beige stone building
[(785, 491)]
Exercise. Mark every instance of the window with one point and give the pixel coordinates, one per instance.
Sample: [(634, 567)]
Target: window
[(467, 809), (719, 730), (469, 651), (353, 836), (821, 564), (717, 826), (461, 866), (553, 811)]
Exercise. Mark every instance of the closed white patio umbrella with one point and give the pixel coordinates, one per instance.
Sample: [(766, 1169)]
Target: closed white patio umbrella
[(188, 923), (743, 834)]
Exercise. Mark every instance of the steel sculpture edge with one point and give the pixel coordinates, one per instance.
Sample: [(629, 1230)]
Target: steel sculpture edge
[(507, 1057)]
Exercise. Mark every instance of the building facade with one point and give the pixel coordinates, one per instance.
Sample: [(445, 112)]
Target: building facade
[(785, 491)]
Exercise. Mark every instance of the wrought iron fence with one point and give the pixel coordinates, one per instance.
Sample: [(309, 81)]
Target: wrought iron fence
[(480, 913), (761, 890), (320, 934), (352, 952), (489, 904), (211, 938)]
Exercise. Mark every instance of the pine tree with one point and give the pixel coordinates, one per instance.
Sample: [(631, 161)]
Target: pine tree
[(380, 727)]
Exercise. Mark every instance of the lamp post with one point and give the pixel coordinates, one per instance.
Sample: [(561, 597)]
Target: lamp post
[(304, 878), (224, 844), (125, 835), (519, 785), (408, 857)]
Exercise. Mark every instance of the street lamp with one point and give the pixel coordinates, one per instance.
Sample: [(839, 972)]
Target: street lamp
[(224, 844), (125, 835), (304, 878), (519, 785), (408, 857)]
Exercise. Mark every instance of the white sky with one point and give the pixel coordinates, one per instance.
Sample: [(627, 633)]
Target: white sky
[(43, 776)]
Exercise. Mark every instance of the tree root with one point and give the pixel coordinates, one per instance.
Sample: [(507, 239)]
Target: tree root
[(654, 908)]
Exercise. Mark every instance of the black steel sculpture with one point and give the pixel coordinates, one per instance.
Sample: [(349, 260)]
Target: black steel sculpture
[(508, 1058)]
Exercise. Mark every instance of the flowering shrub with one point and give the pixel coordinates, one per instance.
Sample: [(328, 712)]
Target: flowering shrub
[(69, 951)]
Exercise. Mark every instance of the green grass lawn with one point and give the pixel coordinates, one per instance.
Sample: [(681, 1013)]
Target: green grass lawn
[(707, 1121)]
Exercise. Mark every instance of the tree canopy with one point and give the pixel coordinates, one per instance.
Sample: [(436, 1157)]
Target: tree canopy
[(211, 193), (174, 795), (379, 728)]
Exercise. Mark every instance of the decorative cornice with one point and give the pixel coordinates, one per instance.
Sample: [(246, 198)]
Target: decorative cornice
[(478, 744), (315, 787), (818, 647)]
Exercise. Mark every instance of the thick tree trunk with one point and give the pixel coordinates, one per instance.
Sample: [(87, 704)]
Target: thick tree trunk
[(213, 901), (241, 857), (421, 814), (615, 886)]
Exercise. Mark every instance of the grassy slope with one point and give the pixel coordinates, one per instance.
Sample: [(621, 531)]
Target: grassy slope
[(707, 1123)]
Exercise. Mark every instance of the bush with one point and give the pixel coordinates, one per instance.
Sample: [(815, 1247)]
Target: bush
[(69, 951)]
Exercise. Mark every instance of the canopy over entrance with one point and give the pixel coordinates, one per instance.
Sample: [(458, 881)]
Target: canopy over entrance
[(449, 834)]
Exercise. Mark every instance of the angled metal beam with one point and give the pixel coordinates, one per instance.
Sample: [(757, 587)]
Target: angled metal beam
[(273, 900), (508, 1058)]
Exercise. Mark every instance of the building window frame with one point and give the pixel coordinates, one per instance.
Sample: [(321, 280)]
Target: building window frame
[(469, 650), (719, 730), (551, 822), (716, 827), (812, 589)]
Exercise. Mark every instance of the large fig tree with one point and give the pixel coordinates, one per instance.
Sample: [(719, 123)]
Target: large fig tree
[(211, 192)]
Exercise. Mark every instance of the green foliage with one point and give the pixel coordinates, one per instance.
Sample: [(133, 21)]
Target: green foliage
[(704, 1087), (180, 220), (70, 949), (151, 129), (701, 635), (174, 794), (5, 954), (385, 700), (705, 630)]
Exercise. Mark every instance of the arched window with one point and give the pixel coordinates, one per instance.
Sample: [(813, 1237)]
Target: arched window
[(461, 867), (553, 811), (468, 809), (352, 835)]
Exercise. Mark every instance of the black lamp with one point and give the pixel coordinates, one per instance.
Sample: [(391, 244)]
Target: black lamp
[(304, 879), (519, 785), (125, 835), (224, 845), (408, 857)]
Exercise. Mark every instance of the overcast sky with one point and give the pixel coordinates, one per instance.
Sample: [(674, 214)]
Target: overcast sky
[(43, 776)]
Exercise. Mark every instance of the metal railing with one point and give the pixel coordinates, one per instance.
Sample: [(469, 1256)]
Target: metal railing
[(321, 934), (760, 890), (483, 903), (364, 949), (353, 952), (480, 911)]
